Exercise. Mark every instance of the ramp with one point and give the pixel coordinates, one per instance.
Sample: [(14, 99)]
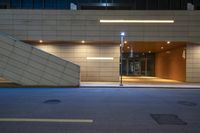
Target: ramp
[(26, 65)]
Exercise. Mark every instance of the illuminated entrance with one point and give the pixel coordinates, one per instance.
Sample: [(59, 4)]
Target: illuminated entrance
[(139, 64), (163, 60)]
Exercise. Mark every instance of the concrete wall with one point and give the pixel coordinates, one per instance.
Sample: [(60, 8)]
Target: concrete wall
[(171, 64), (27, 65), (66, 25), (91, 70), (84, 25), (193, 63)]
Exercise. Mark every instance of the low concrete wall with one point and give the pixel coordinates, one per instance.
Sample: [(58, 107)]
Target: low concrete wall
[(27, 65)]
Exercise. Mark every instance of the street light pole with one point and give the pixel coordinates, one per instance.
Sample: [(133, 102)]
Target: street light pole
[(122, 34)]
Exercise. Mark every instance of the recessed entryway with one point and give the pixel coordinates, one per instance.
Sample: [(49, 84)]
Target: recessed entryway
[(156, 61)]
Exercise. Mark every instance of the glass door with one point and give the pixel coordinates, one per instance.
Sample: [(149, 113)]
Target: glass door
[(139, 65), (134, 67)]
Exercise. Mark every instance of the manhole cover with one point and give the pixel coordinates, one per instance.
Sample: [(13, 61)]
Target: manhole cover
[(187, 103), (52, 101), (167, 119)]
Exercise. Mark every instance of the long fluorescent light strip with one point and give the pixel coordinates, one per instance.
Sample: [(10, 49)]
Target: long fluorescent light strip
[(136, 21), (100, 58)]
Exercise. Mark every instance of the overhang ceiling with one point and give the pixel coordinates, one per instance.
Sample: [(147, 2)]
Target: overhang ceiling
[(136, 46), (153, 47)]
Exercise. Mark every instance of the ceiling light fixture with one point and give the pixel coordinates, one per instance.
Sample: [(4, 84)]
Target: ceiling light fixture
[(83, 41), (40, 41), (136, 21)]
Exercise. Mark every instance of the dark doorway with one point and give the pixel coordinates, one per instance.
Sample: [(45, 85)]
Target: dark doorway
[(138, 64)]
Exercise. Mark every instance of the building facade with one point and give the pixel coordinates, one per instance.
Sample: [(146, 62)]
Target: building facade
[(165, 50)]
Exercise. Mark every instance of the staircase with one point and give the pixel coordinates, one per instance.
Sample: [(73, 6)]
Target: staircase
[(26, 65)]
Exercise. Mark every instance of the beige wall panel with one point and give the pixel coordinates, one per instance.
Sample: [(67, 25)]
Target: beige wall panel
[(193, 63), (81, 25), (27, 65), (91, 70)]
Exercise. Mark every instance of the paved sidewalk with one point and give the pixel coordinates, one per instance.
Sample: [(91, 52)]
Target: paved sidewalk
[(141, 85)]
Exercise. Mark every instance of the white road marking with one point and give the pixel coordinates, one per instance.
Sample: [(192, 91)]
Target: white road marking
[(46, 120)]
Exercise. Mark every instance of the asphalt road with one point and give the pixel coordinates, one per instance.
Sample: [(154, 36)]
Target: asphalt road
[(98, 110)]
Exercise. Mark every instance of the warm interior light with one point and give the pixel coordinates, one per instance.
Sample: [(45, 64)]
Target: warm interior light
[(136, 21), (125, 42), (100, 58), (82, 41), (162, 47), (149, 51), (168, 42), (40, 41)]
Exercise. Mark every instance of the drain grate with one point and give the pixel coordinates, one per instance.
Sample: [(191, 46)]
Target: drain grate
[(187, 103), (167, 119), (52, 101)]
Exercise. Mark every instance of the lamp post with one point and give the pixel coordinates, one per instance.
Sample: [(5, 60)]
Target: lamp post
[(122, 35)]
